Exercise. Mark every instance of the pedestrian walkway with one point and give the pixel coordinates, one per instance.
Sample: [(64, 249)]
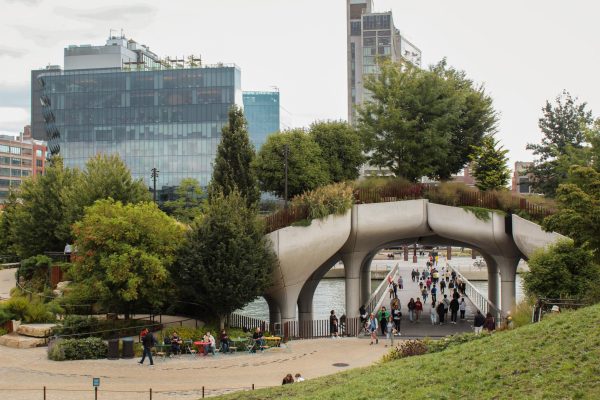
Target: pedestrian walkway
[(423, 327)]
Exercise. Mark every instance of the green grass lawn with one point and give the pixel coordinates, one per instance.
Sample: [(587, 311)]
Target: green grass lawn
[(558, 358)]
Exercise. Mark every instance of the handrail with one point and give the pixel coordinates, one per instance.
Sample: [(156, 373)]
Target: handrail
[(378, 294), (477, 298)]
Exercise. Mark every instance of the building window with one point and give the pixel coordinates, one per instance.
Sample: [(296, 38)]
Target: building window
[(16, 162), (39, 153), (4, 148), (25, 173), (4, 171), (15, 150), (5, 160), (355, 28), (4, 183), (15, 172), (39, 163), (369, 41)]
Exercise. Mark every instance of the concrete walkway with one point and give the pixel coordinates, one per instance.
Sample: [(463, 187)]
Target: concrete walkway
[(423, 327)]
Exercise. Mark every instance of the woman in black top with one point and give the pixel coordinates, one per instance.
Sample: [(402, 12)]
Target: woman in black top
[(333, 324)]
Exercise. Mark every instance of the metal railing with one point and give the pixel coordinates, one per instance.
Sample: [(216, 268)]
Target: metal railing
[(242, 321), (480, 301), (381, 291)]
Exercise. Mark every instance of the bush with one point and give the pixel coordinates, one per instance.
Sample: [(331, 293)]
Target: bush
[(3, 331), (521, 315), (17, 306), (85, 326), (35, 271), (77, 325), (37, 312), (405, 349), (77, 349), (321, 202)]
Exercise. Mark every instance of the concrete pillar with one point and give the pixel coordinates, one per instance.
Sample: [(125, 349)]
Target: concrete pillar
[(305, 308), (449, 253), (405, 253), (415, 253), (352, 268), (493, 281), (508, 273)]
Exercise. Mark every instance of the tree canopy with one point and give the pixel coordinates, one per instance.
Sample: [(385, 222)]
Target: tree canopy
[(226, 261), (188, 203), (123, 255), (564, 125), (341, 148), (489, 165), (233, 163), (423, 122), (307, 169)]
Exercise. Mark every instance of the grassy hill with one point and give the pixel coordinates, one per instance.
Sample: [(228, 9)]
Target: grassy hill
[(558, 358)]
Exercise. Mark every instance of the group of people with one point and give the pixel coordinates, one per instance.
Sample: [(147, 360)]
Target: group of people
[(292, 379)]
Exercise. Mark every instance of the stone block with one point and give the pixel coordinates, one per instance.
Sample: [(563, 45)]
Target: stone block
[(36, 330)]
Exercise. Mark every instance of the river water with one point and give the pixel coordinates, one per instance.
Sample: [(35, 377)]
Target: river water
[(331, 295)]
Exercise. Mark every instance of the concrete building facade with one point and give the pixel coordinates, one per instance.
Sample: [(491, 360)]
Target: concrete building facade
[(521, 180)]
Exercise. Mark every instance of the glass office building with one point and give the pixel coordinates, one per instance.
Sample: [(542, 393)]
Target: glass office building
[(262, 113), (152, 115)]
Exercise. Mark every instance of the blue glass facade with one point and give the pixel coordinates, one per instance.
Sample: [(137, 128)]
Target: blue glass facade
[(262, 112), (170, 119)]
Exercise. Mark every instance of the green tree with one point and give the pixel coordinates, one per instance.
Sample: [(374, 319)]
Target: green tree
[(341, 148), (227, 260), (563, 125), (489, 165), (123, 255), (188, 202), (307, 169), (233, 163), (562, 270), (423, 122)]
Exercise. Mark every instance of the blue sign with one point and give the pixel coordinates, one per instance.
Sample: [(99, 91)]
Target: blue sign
[(96, 382)]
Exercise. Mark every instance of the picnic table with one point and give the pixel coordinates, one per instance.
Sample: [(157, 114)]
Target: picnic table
[(275, 339), (200, 346), (239, 342)]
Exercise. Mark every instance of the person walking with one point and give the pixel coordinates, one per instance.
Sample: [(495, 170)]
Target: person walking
[(382, 317), (428, 283), (148, 342), (446, 303), (454, 306), (333, 325), (433, 294), (400, 282), (397, 318), (411, 309), (440, 312), (372, 326), (442, 286), (433, 314), (489, 324), (413, 275), (389, 330), (418, 308), (478, 322), (463, 308), (395, 288), (424, 294)]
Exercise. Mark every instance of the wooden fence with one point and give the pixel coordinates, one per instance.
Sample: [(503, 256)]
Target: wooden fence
[(469, 198)]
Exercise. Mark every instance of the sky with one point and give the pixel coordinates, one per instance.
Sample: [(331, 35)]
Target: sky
[(524, 52)]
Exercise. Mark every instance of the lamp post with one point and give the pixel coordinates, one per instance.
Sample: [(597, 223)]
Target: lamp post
[(154, 175), (286, 150)]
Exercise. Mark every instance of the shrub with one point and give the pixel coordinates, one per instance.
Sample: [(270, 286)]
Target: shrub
[(405, 349), (3, 331), (321, 202), (37, 312), (521, 315), (77, 349), (17, 306), (77, 325), (5, 314), (35, 270)]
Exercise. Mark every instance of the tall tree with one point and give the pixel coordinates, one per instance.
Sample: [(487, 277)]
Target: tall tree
[(233, 164), (489, 165), (227, 260), (341, 148), (423, 122), (563, 125), (307, 169), (124, 252), (188, 203)]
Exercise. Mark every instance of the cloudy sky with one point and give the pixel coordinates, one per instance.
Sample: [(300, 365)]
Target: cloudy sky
[(523, 51)]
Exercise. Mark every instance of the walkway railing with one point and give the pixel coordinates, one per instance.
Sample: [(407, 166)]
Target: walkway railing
[(241, 321), (381, 291), (480, 301), (320, 328)]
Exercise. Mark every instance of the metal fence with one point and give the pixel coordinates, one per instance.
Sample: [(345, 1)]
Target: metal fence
[(381, 291), (242, 321), (479, 300)]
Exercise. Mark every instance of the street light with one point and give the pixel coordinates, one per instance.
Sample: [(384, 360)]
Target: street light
[(154, 175)]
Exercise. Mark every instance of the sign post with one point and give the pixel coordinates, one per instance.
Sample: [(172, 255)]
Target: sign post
[(96, 383)]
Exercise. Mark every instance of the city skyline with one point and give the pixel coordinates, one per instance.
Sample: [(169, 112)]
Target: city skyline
[(525, 54)]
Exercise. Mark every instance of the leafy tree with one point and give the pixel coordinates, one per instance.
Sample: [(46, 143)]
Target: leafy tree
[(423, 122), (123, 255), (227, 260), (578, 214), (563, 125), (188, 203), (562, 270), (489, 165), (341, 148), (233, 164), (307, 169)]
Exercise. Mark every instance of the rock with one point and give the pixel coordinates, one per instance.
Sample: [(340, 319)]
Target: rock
[(62, 285), (57, 293), (21, 342), (36, 330)]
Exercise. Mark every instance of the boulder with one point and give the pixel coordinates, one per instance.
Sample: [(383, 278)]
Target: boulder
[(36, 330), (21, 342), (62, 285)]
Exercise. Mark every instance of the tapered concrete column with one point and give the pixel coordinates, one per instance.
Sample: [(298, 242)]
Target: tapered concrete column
[(274, 313), (352, 269), (305, 301), (493, 294), (365, 285), (508, 273)]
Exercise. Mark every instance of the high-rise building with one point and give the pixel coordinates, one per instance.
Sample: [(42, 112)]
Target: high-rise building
[(121, 98), (262, 113), (371, 36), (20, 158), (521, 179)]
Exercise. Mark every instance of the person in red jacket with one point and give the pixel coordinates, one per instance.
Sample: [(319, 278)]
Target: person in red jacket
[(418, 308)]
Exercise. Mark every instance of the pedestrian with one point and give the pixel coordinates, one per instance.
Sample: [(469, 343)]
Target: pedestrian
[(462, 308), (451, 286), (478, 322), (446, 303), (428, 283), (400, 283), (436, 276), (395, 287), (372, 326), (489, 324), (440, 312), (433, 314), (442, 286), (288, 379), (455, 294), (412, 275), (299, 378), (389, 330), (397, 317), (434, 294), (453, 275), (424, 295), (333, 325), (418, 308), (447, 276), (411, 309), (148, 343), (454, 306), (382, 317)]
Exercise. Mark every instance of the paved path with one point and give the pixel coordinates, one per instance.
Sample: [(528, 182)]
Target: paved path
[(177, 378), (423, 327)]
